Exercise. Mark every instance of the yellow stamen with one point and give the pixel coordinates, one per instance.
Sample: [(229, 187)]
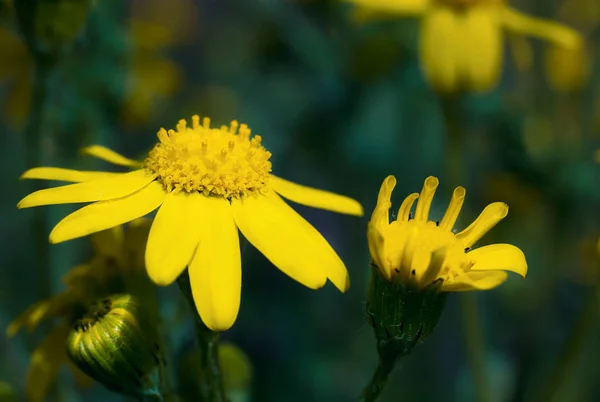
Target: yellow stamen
[(222, 162)]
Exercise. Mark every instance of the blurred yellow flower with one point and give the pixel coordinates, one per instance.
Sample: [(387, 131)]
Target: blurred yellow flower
[(16, 71), (117, 254), (206, 183), (420, 252), (461, 41)]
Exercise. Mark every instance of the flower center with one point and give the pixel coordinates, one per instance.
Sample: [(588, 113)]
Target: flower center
[(462, 4), (223, 162)]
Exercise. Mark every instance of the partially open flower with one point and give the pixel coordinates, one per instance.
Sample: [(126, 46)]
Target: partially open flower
[(117, 345)]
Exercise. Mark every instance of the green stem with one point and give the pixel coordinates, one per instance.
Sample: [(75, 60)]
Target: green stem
[(379, 380), (211, 379), (455, 171), (585, 324)]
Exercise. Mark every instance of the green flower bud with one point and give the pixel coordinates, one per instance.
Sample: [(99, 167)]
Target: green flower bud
[(401, 313), (117, 345)]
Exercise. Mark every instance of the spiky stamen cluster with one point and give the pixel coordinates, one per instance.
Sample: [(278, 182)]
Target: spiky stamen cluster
[(223, 161)]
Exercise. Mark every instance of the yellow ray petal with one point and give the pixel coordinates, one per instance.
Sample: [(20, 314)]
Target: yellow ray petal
[(60, 174), (489, 217), (381, 212), (551, 31), (109, 243), (106, 214), (173, 237), (46, 361), (316, 198), (499, 257), (110, 156), (406, 206), (402, 8), (425, 199), (376, 243), (102, 189), (456, 203), (216, 270), (283, 236), (478, 280)]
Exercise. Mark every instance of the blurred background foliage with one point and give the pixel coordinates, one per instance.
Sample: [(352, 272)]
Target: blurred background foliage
[(340, 103)]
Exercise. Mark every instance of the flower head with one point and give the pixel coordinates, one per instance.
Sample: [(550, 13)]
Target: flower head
[(206, 184), (420, 252), (461, 40)]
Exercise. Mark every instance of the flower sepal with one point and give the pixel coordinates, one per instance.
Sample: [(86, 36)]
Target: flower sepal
[(401, 313)]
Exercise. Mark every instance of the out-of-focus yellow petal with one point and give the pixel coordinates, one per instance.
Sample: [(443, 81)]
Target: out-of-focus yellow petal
[(316, 198), (551, 31), (45, 364), (489, 217), (102, 189), (425, 199), (397, 7), (174, 236), (522, 52), (280, 234), (108, 155), (109, 243), (60, 174), (481, 49), (439, 44), (478, 280), (567, 69), (106, 214), (38, 312), (499, 257), (216, 269)]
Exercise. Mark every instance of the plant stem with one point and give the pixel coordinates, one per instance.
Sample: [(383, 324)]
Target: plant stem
[(455, 170), (211, 380), (379, 380), (585, 324)]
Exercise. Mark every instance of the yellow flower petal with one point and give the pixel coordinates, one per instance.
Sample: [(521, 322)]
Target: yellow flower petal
[(481, 48), (499, 257), (478, 280), (46, 361), (381, 212), (216, 269), (60, 174), (425, 199), (106, 214), (456, 203), (278, 232), (489, 217), (376, 244), (439, 44), (405, 207), (108, 243), (316, 198), (551, 31), (110, 156), (102, 189), (403, 7), (174, 236)]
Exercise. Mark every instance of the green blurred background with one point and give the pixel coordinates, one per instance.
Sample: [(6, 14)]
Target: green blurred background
[(340, 105)]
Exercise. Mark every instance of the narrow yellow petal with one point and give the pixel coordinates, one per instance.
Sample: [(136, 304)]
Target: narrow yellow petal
[(499, 257), (376, 243), (489, 217), (381, 212), (315, 198), (456, 203), (438, 49), (425, 199), (108, 243), (405, 207), (551, 31), (102, 189), (216, 269), (283, 236), (110, 156), (174, 236), (106, 214), (401, 8), (478, 280), (60, 174), (481, 49)]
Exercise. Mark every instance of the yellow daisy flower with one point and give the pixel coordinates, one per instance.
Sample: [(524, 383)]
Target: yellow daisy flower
[(206, 183), (421, 252), (116, 255), (461, 41)]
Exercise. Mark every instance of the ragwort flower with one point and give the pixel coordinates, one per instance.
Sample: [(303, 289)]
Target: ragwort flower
[(461, 41), (420, 252), (206, 183)]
